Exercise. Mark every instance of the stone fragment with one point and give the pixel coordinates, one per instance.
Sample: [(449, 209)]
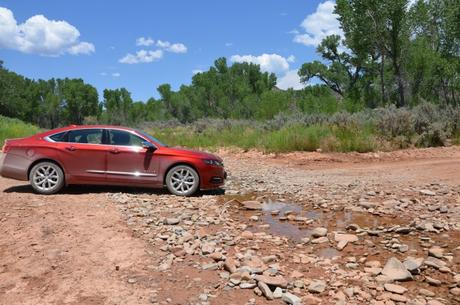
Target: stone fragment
[(317, 286), (319, 232), (290, 298), (171, 221), (320, 240), (427, 193), (278, 293), (252, 205), (436, 251), (351, 238), (395, 288), (433, 281), (426, 292), (413, 263), (434, 262), (277, 281), (396, 271), (265, 290), (230, 265), (341, 245)]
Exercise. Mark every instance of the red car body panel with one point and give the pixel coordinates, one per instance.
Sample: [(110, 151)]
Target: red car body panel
[(85, 163)]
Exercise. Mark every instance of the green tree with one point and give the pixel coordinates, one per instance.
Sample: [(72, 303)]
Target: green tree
[(117, 104)]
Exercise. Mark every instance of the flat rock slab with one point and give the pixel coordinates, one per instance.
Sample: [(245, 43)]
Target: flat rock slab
[(277, 281), (395, 288), (252, 205)]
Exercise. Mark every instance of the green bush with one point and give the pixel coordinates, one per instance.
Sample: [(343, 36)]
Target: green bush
[(14, 128)]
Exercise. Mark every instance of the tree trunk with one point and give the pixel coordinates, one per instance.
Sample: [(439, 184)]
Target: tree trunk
[(398, 73), (382, 77)]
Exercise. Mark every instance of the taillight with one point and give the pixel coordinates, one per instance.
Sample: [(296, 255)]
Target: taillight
[(5, 147)]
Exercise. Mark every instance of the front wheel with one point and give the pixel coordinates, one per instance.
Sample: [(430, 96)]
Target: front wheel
[(182, 180), (46, 178)]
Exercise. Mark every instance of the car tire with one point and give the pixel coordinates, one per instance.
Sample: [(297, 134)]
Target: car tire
[(46, 178), (182, 180)]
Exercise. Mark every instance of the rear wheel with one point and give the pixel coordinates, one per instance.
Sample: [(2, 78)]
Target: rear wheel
[(182, 180), (46, 178)]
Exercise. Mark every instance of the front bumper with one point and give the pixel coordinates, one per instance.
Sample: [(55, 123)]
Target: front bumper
[(213, 178)]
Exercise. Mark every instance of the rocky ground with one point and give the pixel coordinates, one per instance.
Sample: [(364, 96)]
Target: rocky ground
[(289, 229)]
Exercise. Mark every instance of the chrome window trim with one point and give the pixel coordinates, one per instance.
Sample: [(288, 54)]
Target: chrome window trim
[(135, 174), (48, 137)]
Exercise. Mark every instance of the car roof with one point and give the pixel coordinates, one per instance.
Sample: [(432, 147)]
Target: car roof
[(72, 127)]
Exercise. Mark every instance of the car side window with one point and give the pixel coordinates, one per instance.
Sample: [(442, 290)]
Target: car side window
[(123, 138), (58, 137), (85, 136)]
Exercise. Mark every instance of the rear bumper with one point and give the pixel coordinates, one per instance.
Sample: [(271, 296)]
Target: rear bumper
[(13, 166)]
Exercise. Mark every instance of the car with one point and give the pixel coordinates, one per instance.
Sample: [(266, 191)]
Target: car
[(108, 155)]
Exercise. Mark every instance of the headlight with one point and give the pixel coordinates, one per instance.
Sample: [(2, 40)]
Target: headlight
[(213, 162)]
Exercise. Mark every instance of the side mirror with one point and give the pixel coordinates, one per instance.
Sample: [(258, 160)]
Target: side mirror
[(149, 146)]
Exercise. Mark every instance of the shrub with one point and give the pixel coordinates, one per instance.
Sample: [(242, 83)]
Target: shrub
[(14, 128)]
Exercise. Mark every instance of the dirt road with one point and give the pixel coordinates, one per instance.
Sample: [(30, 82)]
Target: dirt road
[(103, 245)]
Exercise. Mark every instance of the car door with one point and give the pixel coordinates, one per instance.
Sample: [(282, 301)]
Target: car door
[(83, 155), (128, 161)]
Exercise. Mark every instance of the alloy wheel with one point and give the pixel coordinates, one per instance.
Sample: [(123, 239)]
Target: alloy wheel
[(182, 180)]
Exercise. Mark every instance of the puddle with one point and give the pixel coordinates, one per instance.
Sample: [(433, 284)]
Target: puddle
[(295, 222)]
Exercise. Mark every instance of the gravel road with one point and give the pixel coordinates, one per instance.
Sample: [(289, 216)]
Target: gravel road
[(299, 228)]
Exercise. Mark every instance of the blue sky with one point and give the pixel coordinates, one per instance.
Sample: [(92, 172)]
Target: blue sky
[(142, 44)]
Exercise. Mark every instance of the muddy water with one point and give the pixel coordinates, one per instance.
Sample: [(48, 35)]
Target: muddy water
[(296, 222)]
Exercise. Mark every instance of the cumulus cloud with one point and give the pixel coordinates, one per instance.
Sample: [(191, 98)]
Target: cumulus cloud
[(146, 56), (82, 48), (143, 41), (142, 56), (318, 25), (172, 47), (116, 74), (39, 35), (290, 80), (268, 62)]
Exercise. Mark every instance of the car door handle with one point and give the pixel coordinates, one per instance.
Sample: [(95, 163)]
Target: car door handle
[(114, 151), (71, 148)]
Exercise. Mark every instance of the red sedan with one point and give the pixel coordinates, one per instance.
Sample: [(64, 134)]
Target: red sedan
[(108, 155)]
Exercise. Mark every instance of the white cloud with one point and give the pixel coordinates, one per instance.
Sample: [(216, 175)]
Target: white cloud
[(172, 47), (228, 44), (196, 71), (103, 74), (318, 25), (141, 56), (291, 58), (82, 48), (268, 62), (163, 44), (143, 41), (290, 80), (116, 74), (177, 48), (40, 35)]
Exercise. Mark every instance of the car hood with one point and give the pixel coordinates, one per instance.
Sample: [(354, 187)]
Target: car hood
[(189, 152)]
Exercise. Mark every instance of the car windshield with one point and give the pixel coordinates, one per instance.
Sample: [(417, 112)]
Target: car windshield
[(151, 138)]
